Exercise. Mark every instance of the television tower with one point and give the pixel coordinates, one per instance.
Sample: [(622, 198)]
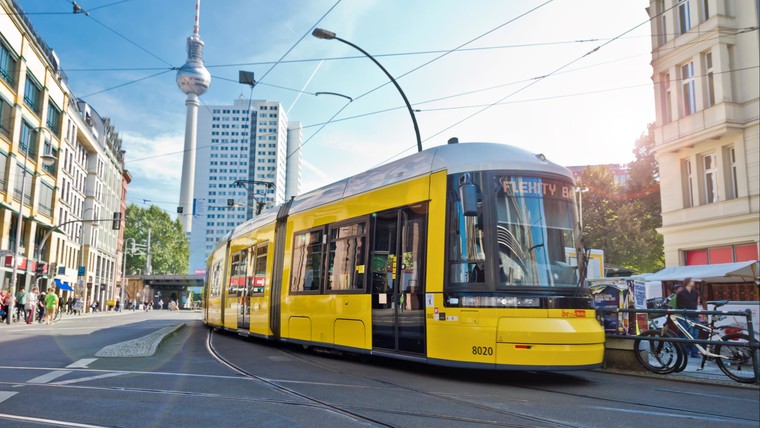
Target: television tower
[(193, 79)]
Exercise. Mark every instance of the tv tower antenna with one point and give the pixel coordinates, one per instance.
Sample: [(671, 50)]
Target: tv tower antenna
[(193, 79)]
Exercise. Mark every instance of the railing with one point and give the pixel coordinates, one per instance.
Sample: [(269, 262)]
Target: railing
[(753, 343)]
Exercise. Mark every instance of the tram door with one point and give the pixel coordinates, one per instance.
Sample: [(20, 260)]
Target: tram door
[(398, 292), (240, 283)]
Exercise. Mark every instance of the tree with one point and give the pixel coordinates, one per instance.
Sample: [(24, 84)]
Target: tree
[(623, 220), (169, 248)]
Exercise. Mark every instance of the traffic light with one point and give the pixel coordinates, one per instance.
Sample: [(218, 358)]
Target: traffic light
[(116, 221), (39, 269)]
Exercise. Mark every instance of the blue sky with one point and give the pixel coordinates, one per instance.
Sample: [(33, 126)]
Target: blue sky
[(453, 60)]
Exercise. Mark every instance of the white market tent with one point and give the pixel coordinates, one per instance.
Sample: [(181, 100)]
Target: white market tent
[(718, 273)]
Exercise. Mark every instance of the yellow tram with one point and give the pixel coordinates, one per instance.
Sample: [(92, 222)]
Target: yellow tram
[(459, 255)]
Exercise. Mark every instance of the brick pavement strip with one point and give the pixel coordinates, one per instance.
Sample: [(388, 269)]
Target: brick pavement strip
[(142, 347)]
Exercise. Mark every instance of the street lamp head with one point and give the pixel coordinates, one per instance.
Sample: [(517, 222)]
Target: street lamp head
[(321, 33), (48, 159)]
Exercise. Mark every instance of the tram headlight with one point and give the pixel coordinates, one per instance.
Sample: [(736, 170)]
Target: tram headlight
[(520, 302)]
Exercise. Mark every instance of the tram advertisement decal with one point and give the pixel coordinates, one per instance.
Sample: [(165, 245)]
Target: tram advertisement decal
[(536, 187)]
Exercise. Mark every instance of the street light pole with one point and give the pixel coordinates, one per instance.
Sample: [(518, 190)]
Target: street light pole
[(47, 159), (321, 33), (580, 191), (124, 270)]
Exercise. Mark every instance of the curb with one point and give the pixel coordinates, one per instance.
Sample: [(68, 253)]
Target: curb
[(145, 346)]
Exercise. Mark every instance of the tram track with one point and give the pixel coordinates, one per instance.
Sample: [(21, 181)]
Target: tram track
[(530, 420), (641, 406)]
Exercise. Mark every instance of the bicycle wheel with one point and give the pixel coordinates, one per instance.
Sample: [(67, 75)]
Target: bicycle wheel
[(658, 356), (736, 361)]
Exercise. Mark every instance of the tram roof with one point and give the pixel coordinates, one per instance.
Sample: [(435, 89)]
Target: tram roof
[(454, 158)]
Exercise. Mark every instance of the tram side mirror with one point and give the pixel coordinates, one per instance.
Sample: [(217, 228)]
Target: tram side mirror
[(468, 194)]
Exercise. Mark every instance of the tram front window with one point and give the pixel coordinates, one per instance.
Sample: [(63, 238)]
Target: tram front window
[(525, 244), (535, 220)]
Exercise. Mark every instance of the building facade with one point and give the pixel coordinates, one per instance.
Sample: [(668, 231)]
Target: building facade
[(248, 158), (68, 206), (705, 57)]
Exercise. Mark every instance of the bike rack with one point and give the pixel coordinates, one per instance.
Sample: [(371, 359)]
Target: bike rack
[(753, 342)]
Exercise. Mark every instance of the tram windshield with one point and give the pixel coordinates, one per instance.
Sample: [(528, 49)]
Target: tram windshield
[(516, 231)]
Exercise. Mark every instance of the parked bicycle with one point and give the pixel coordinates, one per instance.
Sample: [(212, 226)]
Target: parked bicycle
[(663, 357)]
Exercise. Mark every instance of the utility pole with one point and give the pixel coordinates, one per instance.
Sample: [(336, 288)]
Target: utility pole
[(148, 269)]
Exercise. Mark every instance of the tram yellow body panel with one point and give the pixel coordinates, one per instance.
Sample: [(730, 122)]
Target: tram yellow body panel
[(328, 319), (332, 316), (515, 337)]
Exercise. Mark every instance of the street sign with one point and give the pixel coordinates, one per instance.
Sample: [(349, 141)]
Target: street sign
[(80, 271)]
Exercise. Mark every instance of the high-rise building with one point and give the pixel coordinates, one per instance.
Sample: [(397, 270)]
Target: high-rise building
[(707, 135), (248, 158)]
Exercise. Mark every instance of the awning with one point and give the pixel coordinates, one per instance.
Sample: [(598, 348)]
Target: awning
[(62, 285), (724, 272)]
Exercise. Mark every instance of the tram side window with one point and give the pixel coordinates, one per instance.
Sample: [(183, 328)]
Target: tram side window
[(259, 269), (237, 274), (347, 257), (215, 278), (308, 250)]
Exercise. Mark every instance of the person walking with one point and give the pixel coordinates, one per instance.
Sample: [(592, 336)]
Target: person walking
[(51, 303), (21, 304), (31, 305)]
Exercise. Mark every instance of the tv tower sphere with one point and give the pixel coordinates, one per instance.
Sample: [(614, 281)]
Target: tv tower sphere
[(193, 78)]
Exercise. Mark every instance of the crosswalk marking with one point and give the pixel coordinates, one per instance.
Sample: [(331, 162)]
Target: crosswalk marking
[(47, 377), (85, 379), (81, 364), (4, 395)]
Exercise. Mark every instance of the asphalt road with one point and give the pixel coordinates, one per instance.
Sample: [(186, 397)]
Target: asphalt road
[(51, 376)]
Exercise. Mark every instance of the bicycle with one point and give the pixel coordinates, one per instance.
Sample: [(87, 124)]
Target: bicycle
[(663, 357)]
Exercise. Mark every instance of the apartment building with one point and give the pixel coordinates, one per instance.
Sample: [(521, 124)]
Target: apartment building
[(705, 58), (65, 162)]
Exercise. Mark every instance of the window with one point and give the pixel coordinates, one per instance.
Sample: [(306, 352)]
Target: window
[(308, 249), (684, 17), (20, 178), (705, 10), (28, 140), (662, 31), (710, 178), (7, 64), (45, 206), (33, 94), (733, 190), (687, 89), (54, 118), (3, 166), (724, 254), (709, 79), (667, 108), (5, 117), (688, 189), (347, 255), (259, 269)]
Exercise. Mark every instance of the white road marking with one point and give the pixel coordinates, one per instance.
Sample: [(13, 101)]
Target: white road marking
[(47, 377), (83, 363), (46, 421), (4, 395), (85, 379)]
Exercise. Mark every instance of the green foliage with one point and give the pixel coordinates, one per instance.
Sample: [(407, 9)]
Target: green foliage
[(622, 220), (170, 249)]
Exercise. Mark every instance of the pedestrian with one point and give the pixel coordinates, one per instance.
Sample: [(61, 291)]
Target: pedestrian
[(688, 298), (31, 305), (21, 303), (5, 302), (118, 305), (69, 305), (51, 303), (41, 308), (160, 303)]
